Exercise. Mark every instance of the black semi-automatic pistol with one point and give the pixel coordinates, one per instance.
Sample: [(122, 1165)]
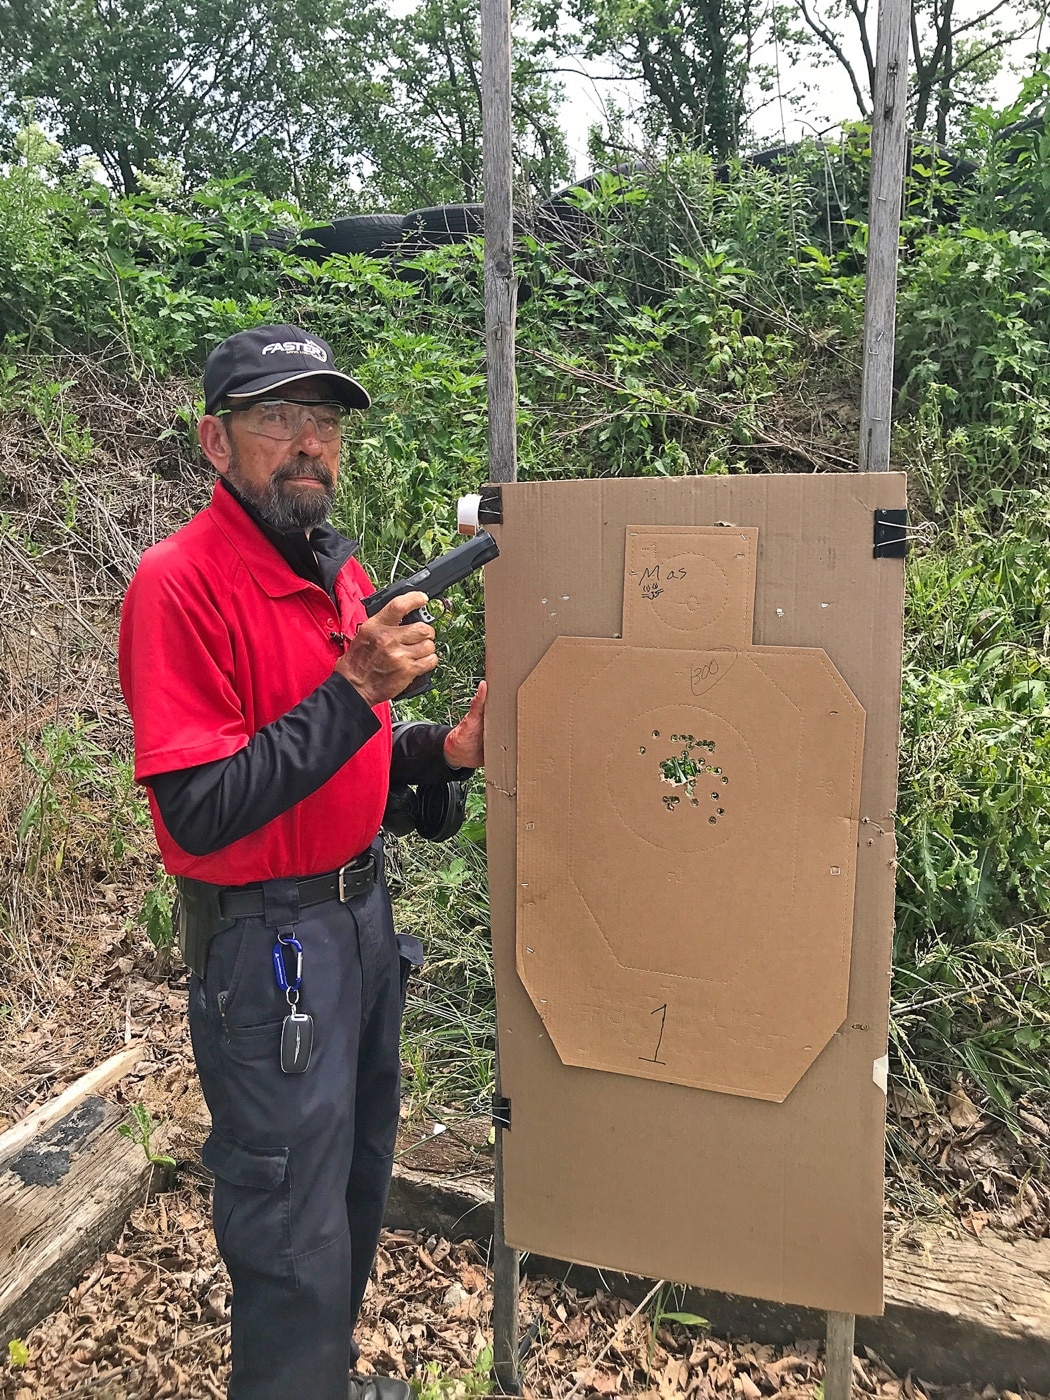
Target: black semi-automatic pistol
[(434, 579)]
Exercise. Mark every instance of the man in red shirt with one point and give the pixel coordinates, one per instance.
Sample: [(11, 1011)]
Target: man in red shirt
[(259, 693)]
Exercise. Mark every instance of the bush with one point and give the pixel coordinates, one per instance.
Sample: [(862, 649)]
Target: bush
[(974, 816)]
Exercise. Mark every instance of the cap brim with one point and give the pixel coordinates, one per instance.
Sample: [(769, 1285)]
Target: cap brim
[(348, 392)]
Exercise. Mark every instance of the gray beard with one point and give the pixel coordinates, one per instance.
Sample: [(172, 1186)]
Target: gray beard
[(283, 505)]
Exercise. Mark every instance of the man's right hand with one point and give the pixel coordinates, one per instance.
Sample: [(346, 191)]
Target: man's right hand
[(384, 658)]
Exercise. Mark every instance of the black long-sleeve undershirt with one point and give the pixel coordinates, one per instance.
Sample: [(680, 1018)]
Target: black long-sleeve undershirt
[(211, 805), (214, 804)]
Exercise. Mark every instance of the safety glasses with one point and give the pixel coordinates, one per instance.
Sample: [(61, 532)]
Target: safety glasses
[(284, 419)]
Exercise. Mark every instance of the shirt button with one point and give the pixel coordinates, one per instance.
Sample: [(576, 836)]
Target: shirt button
[(332, 623)]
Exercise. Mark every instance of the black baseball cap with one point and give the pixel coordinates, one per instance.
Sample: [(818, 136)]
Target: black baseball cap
[(268, 357)]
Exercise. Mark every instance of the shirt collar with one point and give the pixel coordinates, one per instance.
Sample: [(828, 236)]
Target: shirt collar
[(280, 563)]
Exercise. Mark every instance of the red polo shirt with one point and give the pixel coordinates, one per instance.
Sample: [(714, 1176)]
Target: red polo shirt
[(220, 636)]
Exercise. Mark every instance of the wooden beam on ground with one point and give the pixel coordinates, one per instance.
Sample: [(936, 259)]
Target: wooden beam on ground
[(64, 1197), (959, 1310), (96, 1081)]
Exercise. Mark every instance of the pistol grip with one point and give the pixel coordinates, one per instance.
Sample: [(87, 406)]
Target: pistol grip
[(419, 686)]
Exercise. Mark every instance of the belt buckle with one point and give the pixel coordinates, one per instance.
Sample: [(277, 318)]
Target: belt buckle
[(367, 860)]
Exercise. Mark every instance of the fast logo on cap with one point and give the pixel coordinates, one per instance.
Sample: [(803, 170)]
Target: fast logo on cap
[(297, 347)]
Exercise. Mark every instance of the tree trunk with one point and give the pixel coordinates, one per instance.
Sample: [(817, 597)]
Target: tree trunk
[(129, 177)]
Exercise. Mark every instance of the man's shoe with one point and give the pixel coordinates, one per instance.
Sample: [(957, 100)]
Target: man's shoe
[(378, 1388)]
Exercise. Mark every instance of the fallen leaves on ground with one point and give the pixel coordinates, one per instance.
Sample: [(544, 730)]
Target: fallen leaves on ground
[(151, 1320), (987, 1170)]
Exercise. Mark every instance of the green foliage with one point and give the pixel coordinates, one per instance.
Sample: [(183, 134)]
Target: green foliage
[(49, 406), (973, 986), (975, 341), (693, 60), (35, 146), (312, 99), (216, 87), (17, 1352), (155, 915), (663, 1310), (472, 1386), (156, 284), (422, 127), (140, 1131), (78, 803), (1013, 184)]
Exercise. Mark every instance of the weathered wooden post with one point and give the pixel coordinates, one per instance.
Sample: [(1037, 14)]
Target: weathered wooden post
[(503, 466), (888, 142)]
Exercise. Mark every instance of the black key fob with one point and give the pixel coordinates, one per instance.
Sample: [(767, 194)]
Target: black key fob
[(297, 1042)]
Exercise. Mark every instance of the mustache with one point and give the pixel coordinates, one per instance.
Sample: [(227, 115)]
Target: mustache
[(303, 467)]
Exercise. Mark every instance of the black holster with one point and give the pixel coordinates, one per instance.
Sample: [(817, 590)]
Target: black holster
[(198, 917)]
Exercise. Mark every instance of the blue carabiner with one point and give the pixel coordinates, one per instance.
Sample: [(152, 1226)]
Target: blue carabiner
[(279, 966)]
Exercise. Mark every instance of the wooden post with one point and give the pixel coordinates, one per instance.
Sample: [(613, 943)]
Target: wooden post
[(888, 142), (506, 1273), (838, 1356), (503, 466), (500, 287), (886, 193)]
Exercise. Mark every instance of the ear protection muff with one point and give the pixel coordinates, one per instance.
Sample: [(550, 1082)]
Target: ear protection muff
[(400, 815), (435, 810), (440, 809)]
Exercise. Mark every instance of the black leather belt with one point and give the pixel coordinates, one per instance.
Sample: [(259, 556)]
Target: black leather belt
[(356, 877)]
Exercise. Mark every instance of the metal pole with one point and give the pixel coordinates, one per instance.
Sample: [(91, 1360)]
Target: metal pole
[(503, 466), (888, 144)]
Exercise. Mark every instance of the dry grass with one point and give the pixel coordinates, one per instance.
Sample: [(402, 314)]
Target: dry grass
[(87, 480)]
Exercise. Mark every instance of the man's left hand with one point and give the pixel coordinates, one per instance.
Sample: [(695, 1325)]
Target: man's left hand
[(465, 745)]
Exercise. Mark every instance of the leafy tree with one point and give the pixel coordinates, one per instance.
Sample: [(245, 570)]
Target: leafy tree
[(422, 135), (332, 103), (219, 87), (957, 49), (693, 57)]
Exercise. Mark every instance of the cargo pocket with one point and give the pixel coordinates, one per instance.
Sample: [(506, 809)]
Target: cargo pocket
[(252, 1207), (410, 954)]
